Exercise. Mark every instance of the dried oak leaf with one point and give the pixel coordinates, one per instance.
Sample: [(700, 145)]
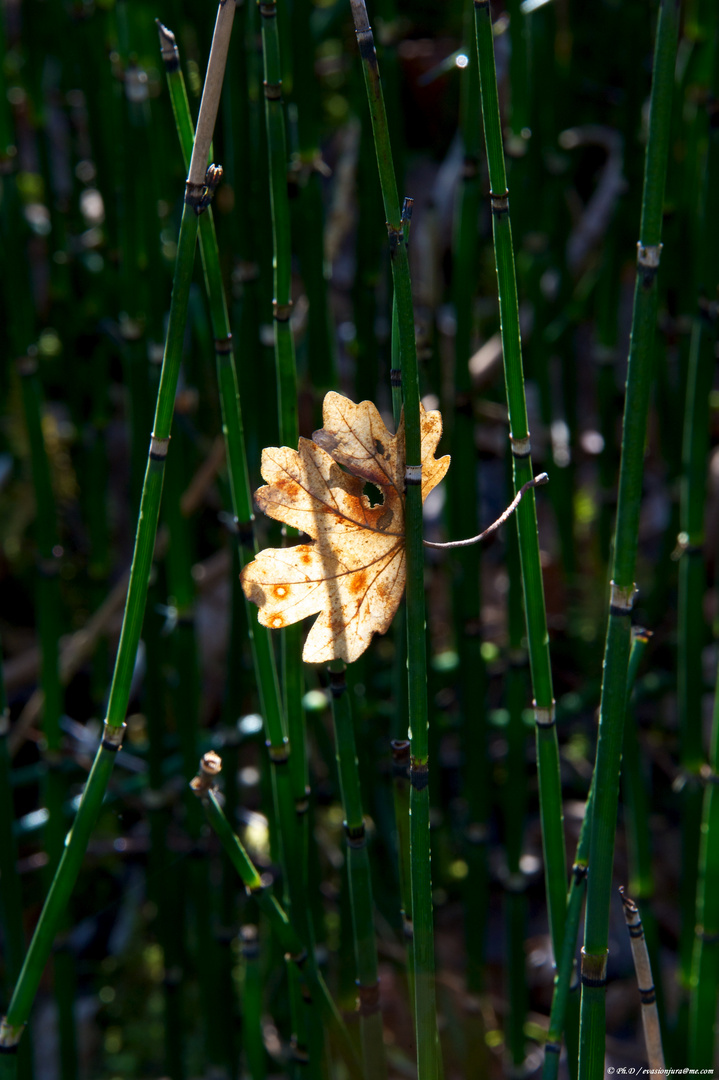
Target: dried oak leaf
[(353, 575)]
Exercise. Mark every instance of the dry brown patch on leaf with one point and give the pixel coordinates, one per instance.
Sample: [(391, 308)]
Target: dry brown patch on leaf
[(353, 575)]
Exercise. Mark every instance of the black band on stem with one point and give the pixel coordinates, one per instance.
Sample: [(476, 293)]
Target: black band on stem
[(223, 345), (338, 683), (419, 775)]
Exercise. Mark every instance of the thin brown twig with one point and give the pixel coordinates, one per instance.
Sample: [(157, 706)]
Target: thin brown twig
[(536, 481)]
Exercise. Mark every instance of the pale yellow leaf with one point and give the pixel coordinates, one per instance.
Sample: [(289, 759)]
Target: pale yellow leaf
[(353, 575)]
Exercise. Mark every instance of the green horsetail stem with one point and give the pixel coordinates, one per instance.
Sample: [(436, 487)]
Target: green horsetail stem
[(294, 844), (282, 927), (400, 785), (705, 963), (566, 962), (359, 878), (635, 798), (198, 190), (617, 647), (284, 359), (463, 520), (514, 798), (240, 490), (423, 938), (692, 630), (565, 967), (705, 973), (550, 792)]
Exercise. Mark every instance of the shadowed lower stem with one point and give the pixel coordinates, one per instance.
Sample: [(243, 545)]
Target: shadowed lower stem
[(360, 882), (287, 936)]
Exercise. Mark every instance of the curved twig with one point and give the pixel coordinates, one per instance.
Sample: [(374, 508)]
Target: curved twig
[(536, 481)]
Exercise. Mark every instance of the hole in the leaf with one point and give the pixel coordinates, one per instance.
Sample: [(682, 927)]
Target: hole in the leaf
[(373, 493)]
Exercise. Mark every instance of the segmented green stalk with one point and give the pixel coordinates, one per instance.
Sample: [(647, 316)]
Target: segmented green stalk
[(635, 798), (94, 792), (616, 655), (49, 606), (565, 968), (538, 640), (288, 937), (514, 798), (463, 520), (400, 785), (360, 882), (705, 963), (423, 940), (692, 630)]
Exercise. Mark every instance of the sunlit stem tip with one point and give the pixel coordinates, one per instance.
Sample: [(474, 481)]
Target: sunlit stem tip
[(536, 481)]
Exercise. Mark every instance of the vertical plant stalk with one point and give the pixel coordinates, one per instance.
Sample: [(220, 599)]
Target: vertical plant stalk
[(463, 520), (254, 1048), (705, 964), (284, 357), (617, 647), (49, 607), (286, 373), (288, 937), (566, 964), (647, 993), (635, 801), (197, 192), (562, 985), (240, 491), (514, 799), (692, 630), (550, 794), (423, 939), (358, 872), (400, 785)]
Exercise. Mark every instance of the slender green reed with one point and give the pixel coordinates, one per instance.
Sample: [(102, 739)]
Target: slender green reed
[(566, 964), (284, 356), (49, 607), (692, 629), (538, 639), (308, 219), (164, 872), (254, 1048), (423, 939), (358, 871), (705, 973), (563, 982), (286, 374), (705, 966), (400, 786), (617, 648), (636, 802), (290, 940), (514, 798), (198, 190), (463, 520)]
